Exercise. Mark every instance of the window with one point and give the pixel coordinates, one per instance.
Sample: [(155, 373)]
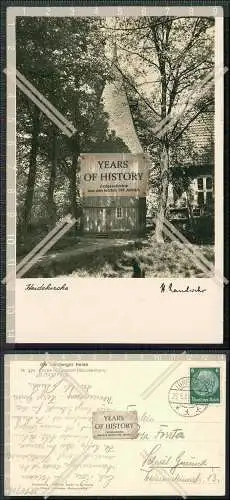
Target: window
[(119, 213), (200, 183), (200, 198), (209, 198), (204, 191), (209, 183)]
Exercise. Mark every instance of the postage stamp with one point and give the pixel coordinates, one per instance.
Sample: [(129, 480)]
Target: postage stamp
[(205, 385), (115, 425)]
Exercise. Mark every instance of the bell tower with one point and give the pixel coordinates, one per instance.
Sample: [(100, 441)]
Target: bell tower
[(116, 105), (116, 213)]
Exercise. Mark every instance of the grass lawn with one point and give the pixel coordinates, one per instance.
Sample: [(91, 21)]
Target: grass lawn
[(161, 260), (112, 258)]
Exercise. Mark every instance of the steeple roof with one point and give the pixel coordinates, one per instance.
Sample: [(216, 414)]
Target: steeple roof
[(117, 107)]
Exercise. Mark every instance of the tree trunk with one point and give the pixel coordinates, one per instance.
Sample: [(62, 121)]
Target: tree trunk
[(74, 194), (51, 202), (164, 163), (75, 149), (32, 169), (75, 146), (190, 214)]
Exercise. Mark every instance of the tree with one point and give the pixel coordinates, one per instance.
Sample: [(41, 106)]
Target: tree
[(65, 58), (175, 54), (58, 56), (32, 167)]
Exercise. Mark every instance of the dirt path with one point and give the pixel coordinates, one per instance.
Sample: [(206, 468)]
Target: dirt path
[(86, 246)]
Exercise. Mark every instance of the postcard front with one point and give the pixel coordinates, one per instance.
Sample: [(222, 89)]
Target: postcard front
[(78, 425), (119, 174)]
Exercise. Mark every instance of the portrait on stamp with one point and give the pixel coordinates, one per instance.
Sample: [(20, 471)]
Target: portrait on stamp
[(205, 385)]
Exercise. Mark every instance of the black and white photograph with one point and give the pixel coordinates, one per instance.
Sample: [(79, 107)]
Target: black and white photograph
[(115, 132), (115, 170)]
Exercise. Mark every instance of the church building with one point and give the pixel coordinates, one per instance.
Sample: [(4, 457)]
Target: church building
[(116, 213)]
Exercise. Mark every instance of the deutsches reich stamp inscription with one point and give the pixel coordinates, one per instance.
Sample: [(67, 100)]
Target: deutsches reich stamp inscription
[(205, 385), (115, 425)]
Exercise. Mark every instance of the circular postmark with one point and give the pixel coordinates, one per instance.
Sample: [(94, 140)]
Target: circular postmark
[(179, 399)]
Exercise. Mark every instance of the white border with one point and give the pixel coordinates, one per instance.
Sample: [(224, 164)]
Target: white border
[(172, 366), (119, 310)]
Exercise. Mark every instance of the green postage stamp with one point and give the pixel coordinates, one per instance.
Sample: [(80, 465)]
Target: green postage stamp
[(204, 385)]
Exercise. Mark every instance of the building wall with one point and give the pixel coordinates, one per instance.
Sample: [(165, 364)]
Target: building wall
[(120, 120), (201, 193), (114, 214)]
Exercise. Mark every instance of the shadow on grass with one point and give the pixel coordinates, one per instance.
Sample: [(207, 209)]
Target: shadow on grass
[(165, 260), (104, 262)]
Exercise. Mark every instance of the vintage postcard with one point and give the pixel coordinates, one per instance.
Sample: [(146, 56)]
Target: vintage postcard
[(115, 172), (78, 425)]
